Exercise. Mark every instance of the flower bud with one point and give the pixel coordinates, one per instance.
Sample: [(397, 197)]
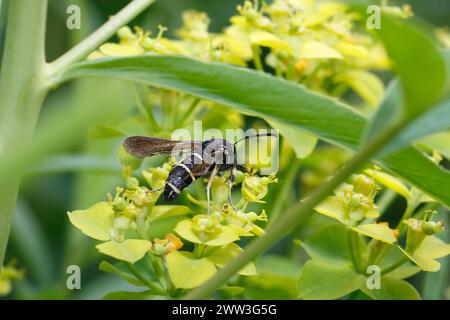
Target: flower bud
[(364, 184), (414, 235), (432, 227), (132, 183)]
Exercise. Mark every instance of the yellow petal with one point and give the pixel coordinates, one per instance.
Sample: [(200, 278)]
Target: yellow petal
[(130, 250), (376, 231), (389, 181), (332, 207), (352, 50), (318, 50), (187, 271), (365, 84), (118, 50), (95, 222), (267, 39), (95, 55)]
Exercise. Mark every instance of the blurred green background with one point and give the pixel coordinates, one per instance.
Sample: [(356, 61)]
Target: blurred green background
[(42, 239)]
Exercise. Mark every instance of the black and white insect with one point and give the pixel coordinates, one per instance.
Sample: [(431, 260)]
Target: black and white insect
[(202, 157)]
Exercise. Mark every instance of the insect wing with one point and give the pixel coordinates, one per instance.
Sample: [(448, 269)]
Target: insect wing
[(142, 147)]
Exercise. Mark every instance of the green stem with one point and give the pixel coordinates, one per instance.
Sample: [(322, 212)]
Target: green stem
[(257, 58), (411, 207), (23, 87), (296, 215), (102, 34), (155, 288), (190, 110), (146, 112), (395, 265), (283, 193), (353, 249)]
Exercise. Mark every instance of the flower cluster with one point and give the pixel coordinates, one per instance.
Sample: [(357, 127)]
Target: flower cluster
[(8, 274), (316, 43), (125, 225)]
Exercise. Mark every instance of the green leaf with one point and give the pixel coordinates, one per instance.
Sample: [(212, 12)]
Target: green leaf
[(130, 250), (438, 141), (329, 244), (392, 289), (321, 280), (221, 256), (186, 271), (390, 110), (407, 42), (95, 222), (120, 271), (376, 231), (302, 142), (286, 102), (276, 274), (164, 211)]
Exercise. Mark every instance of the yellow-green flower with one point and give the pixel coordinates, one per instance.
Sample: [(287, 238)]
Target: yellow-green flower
[(255, 188), (352, 204), (8, 274), (422, 247)]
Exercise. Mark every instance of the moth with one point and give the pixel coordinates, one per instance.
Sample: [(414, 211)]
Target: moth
[(200, 158)]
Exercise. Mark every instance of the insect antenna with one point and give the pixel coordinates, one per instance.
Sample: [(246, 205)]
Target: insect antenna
[(268, 134)]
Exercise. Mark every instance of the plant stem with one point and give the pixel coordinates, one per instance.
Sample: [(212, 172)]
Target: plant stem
[(284, 191), (23, 86), (144, 280), (183, 119), (294, 216), (102, 34), (257, 58), (395, 265), (145, 111), (353, 249)]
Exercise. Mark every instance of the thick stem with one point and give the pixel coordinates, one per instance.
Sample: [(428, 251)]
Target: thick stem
[(102, 34), (23, 86), (294, 216)]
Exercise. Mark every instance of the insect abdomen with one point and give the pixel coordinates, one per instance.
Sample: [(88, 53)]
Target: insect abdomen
[(179, 178)]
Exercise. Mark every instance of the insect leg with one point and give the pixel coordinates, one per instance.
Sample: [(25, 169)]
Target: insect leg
[(208, 185), (230, 186), (154, 190)]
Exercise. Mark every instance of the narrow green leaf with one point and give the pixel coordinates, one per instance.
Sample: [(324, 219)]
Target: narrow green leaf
[(286, 102)]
